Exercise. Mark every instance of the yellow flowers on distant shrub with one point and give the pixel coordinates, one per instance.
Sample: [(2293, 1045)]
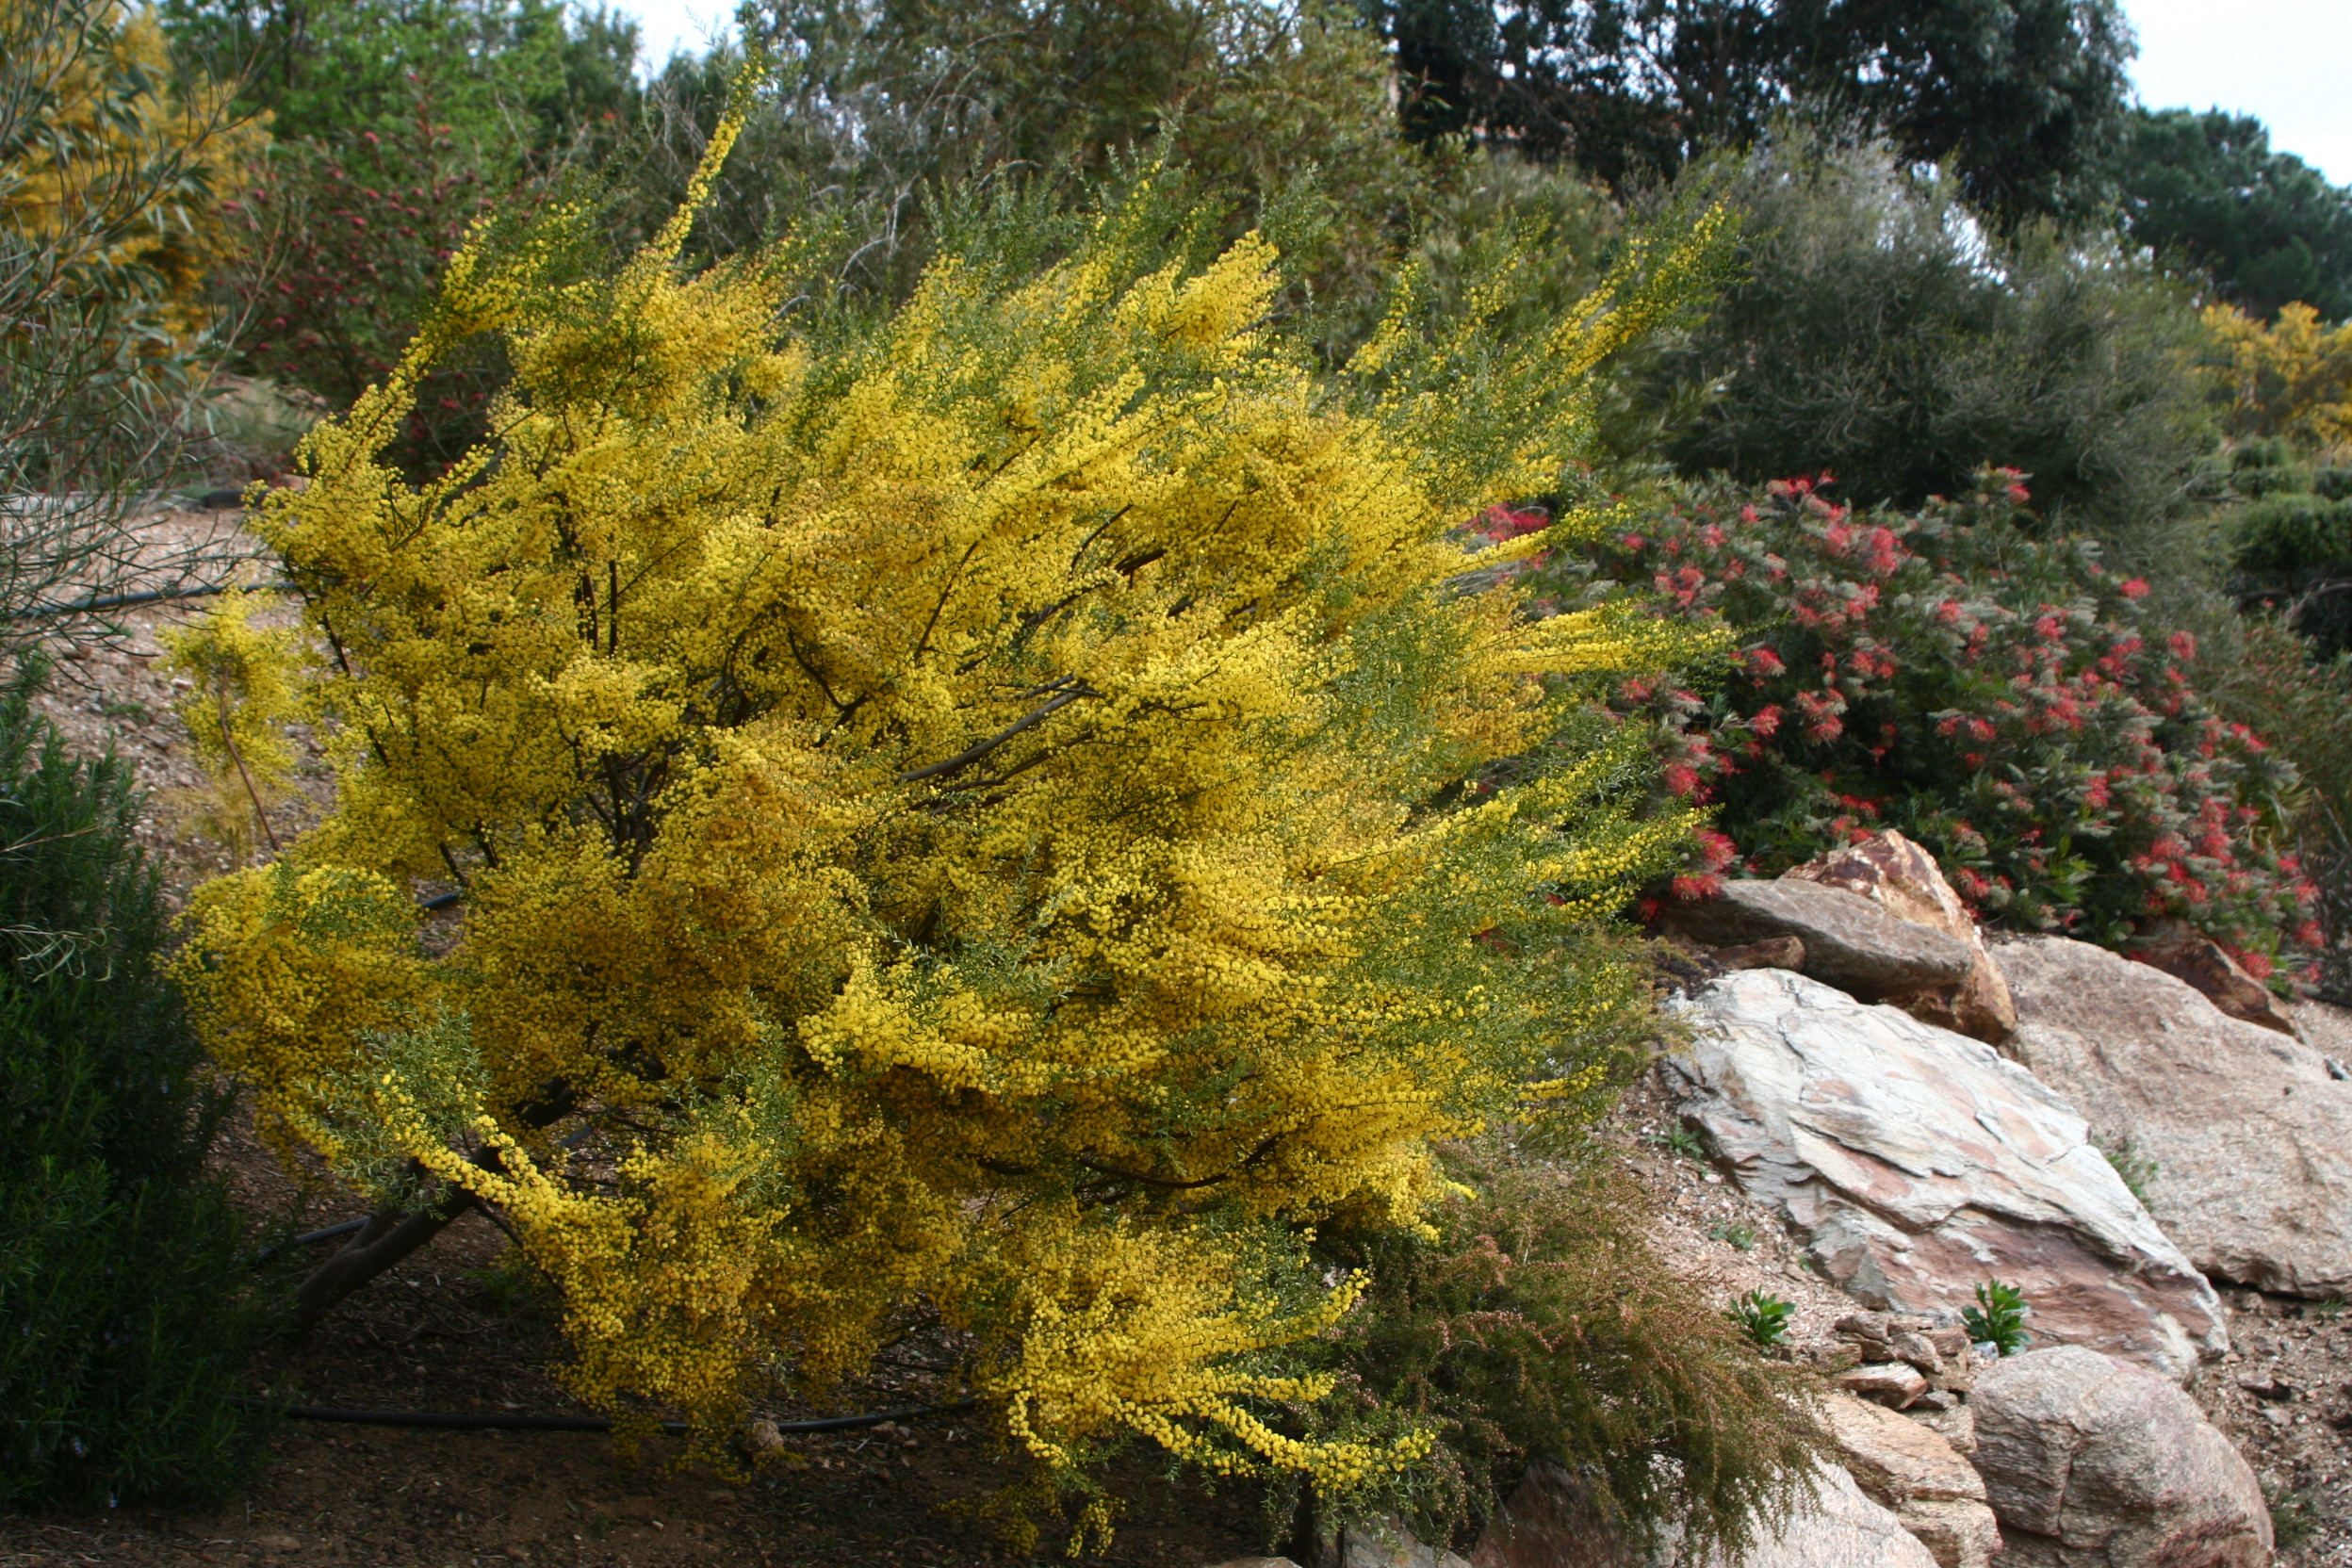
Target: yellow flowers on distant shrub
[(980, 815), (2291, 377)]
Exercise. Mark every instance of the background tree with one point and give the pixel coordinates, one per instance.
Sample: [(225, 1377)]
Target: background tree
[(110, 175), (1880, 335), (2267, 227), (2019, 100)]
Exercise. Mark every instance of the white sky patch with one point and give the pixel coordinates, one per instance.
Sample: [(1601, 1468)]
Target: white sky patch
[(2282, 61)]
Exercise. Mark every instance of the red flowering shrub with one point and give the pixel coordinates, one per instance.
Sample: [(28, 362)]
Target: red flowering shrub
[(1993, 693), (355, 239)]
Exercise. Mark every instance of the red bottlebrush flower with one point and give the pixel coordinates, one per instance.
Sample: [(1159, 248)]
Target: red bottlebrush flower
[(1767, 719), (2136, 588), (1681, 778), (2183, 644)]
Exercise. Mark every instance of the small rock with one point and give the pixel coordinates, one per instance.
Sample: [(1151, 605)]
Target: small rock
[(1953, 1343), (1916, 1349), (1849, 942), (2092, 1462), (1912, 1470), (1891, 1383), (1772, 953), (1834, 1357), (762, 1437), (2265, 1385)]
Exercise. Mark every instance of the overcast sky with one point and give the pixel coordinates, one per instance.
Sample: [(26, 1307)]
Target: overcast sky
[(2287, 62)]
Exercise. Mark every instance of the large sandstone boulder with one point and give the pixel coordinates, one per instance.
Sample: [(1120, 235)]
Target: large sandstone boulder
[(1916, 1163), (2250, 1131), (1904, 881), (1849, 942), (2093, 1463), (1904, 1467), (1550, 1524)]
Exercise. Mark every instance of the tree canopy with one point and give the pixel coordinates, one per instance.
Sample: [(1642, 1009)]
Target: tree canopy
[(2020, 98), (2207, 188)]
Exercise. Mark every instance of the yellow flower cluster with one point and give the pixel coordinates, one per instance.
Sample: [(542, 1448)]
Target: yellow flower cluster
[(121, 171), (2290, 376), (974, 807)]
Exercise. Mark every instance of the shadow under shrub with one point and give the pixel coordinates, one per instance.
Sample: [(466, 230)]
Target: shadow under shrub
[(1997, 694), (1536, 1325), (125, 1310)]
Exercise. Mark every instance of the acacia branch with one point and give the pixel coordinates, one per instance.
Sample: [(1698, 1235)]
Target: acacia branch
[(1022, 725)]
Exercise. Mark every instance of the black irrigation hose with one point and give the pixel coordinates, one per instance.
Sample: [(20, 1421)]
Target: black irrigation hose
[(306, 1239), (119, 601), (458, 1421)]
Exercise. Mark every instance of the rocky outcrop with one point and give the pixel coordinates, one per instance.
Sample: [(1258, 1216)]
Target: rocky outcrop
[(2091, 1463), (1549, 1523), (2250, 1131), (1904, 881), (1906, 1468), (1386, 1544), (1916, 1163), (2219, 978), (1848, 940)]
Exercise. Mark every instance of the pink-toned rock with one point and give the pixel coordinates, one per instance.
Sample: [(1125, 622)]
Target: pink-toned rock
[(2185, 956), (1913, 1471), (1916, 1163), (1904, 880), (2091, 1463), (1891, 1383), (1549, 1522), (2249, 1130)]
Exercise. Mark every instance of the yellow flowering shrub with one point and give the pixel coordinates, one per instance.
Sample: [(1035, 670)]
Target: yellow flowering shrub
[(982, 811), (2291, 376), (107, 171)]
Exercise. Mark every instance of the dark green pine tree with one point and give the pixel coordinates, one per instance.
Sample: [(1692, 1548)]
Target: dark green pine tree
[(2207, 188)]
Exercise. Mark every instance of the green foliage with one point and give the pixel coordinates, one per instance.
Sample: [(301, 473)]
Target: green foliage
[(1998, 1318), (2017, 99), (399, 124), (1762, 1316), (1995, 693), (1682, 1141), (1538, 1325), (1881, 337), (108, 224), (514, 82), (2269, 677), (880, 112), (124, 1316), (2208, 189), (2137, 1170)]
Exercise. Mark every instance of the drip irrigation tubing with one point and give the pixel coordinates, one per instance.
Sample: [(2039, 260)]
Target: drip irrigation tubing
[(154, 596), (465, 1421), (306, 1239)]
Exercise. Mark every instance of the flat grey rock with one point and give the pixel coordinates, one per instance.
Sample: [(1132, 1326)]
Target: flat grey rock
[(1916, 1163), (1850, 942), (2250, 1132)]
